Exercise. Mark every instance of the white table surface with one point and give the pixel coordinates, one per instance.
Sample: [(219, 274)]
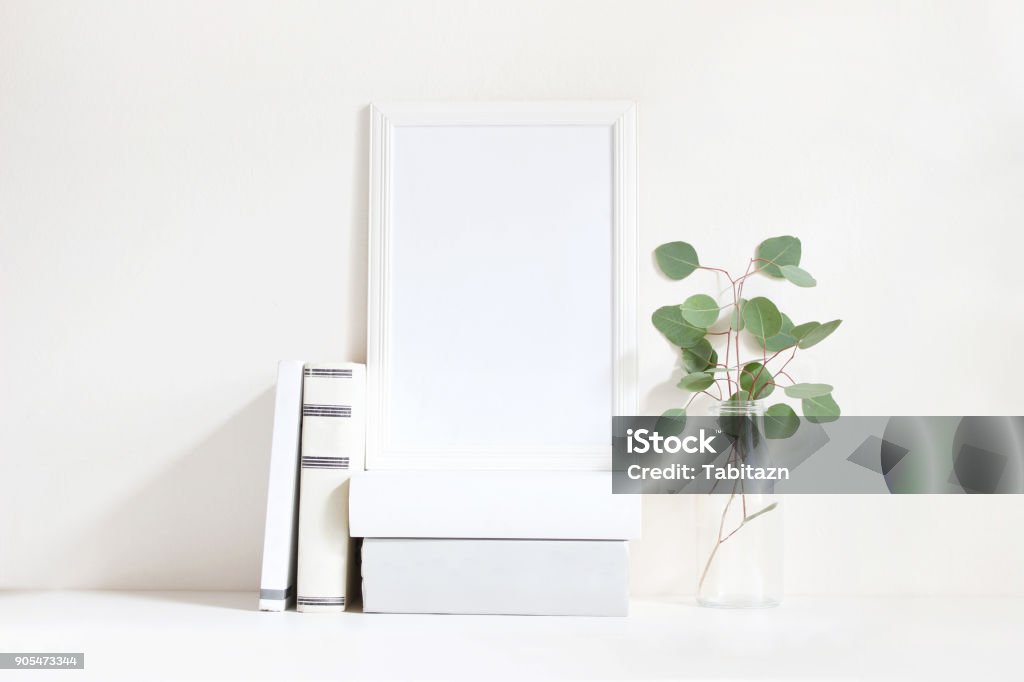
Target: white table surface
[(219, 635)]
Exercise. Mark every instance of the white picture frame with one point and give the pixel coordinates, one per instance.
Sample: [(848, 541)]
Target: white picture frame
[(401, 216)]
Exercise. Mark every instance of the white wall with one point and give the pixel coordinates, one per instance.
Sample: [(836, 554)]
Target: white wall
[(183, 201)]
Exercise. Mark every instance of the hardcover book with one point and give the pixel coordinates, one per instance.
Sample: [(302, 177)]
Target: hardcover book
[(333, 448), (557, 505), (277, 578), (521, 577)]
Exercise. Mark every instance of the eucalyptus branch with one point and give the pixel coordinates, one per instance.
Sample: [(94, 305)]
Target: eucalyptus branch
[(786, 364), (721, 529), (686, 326), (728, 345), (721, 270)]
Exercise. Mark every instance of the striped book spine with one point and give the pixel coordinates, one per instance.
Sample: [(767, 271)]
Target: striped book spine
[(333, 446)]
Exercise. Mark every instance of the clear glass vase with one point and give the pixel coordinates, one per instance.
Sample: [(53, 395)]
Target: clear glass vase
[(739, 524)]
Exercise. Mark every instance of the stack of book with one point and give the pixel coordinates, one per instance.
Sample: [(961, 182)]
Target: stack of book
[(473, 542), (318, 442), (493, 542)]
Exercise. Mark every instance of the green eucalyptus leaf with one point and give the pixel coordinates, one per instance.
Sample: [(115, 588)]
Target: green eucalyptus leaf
[(780, 251), (819, 333), (736, 314), (697, 381), (671, 422), (762, 318), (780, 421), (802, 330), (676, 259), (711, 366), (798, 276), (807, 390), (784, 339), (669, 321), (700, 310), (820, 409), (751, 517), (697, 357), (756, 381)]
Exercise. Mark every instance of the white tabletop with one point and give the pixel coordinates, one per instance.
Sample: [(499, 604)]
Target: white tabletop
[(219, 635)]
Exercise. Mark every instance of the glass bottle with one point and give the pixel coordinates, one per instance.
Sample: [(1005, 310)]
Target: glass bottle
[(739, 524)]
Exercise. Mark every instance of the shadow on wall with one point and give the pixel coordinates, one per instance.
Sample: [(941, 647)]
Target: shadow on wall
[(353, 280), (196, 526)]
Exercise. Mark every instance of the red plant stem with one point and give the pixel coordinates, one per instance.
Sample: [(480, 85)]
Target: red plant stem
[(736, 308), (721, 529), (788, 361), (764, 364), (766, 385), (737, 294), (729, 459), (737, 297), (741, 281), (728, 339), (728, 347), (719, 397), (748, 273), (751, 274), (724, 272), (752, 261), (736, 529), (779, 372), (764, 361)]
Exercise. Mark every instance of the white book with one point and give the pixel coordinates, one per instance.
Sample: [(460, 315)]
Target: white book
[(277, 578), (568, 505), (333, 446), (521, 577)]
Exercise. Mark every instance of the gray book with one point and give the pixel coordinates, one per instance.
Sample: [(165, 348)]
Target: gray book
[(521, 577)]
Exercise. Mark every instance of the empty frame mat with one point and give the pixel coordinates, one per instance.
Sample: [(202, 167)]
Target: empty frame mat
[(497, 306)]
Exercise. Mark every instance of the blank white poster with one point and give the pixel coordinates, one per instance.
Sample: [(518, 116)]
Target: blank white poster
[(501, 298)]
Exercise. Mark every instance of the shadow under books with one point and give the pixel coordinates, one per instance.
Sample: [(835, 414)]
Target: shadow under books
[(197, 526)]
